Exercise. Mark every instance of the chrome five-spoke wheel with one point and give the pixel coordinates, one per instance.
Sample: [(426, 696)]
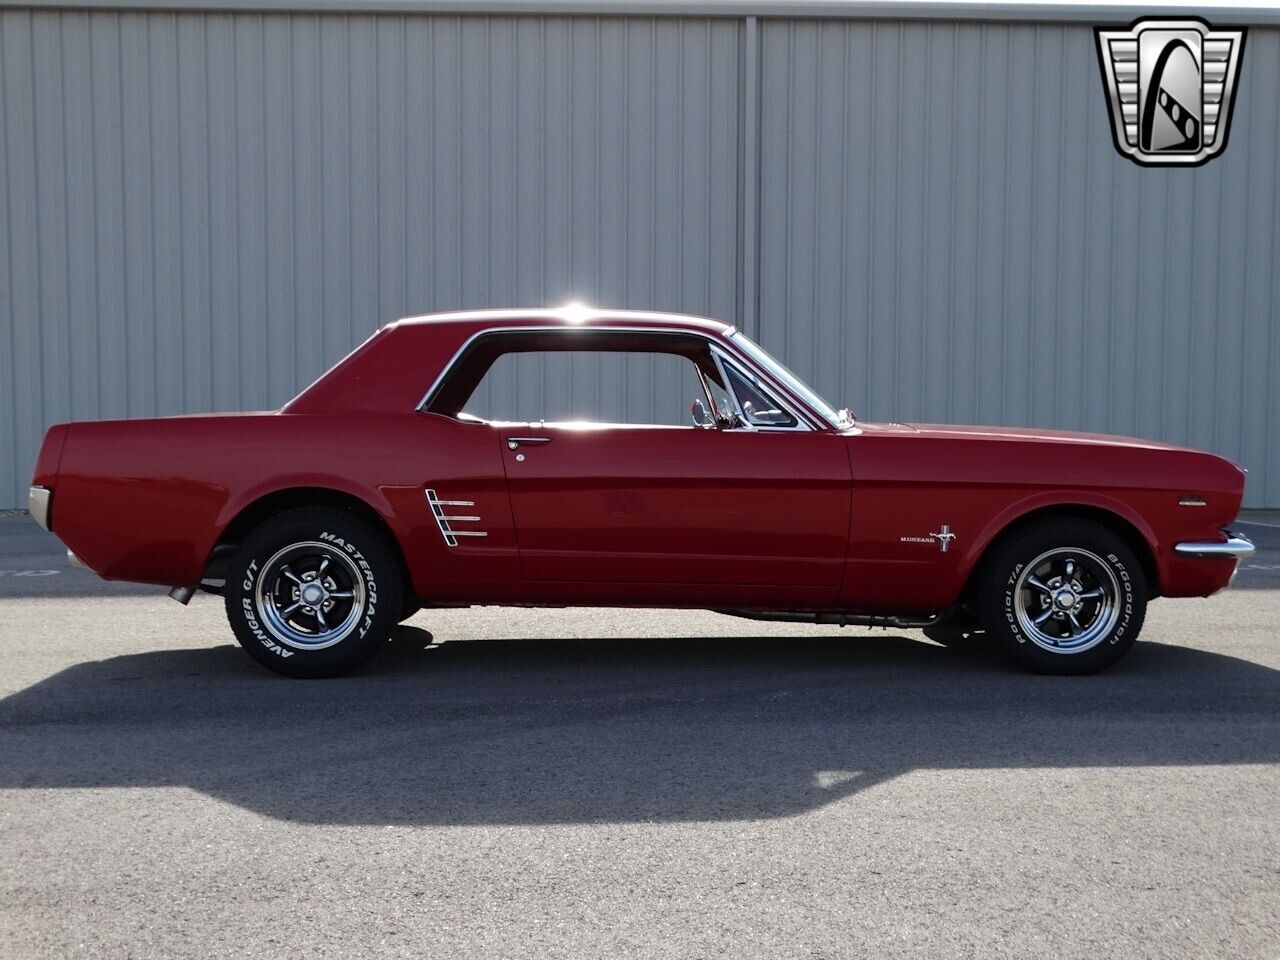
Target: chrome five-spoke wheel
[(314, 591), (1064, 595), (310, 595), (1067, 600)]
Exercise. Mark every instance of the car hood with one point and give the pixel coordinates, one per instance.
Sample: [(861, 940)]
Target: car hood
[(1023, 434)]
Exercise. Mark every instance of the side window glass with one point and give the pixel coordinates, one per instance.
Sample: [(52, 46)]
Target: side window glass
[(560, 386), (759, 408)]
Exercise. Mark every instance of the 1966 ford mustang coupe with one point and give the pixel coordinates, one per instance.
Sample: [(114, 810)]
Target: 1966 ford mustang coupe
[(548, 457)]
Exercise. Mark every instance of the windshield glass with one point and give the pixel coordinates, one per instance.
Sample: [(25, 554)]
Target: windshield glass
[(787, 378)]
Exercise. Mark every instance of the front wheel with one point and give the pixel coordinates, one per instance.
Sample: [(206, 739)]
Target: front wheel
[(1064, 597), (313, 592)]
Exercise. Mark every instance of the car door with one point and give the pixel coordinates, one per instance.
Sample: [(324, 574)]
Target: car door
[(679, 505)]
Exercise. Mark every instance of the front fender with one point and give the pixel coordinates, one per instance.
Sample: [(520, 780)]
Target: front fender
[(1032, 503)]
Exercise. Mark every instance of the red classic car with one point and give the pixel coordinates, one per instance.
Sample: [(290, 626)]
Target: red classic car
[(547, 457)]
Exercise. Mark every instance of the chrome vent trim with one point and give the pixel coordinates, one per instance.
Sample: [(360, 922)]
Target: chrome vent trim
[(446, 521)]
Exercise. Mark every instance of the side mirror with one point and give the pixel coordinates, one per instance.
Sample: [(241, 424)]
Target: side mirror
[(701, 417)]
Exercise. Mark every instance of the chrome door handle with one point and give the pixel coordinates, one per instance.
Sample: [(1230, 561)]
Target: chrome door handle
[(514, 442)]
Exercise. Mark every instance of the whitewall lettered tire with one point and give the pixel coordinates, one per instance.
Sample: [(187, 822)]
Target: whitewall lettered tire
[(1064, 596), (314, 592)]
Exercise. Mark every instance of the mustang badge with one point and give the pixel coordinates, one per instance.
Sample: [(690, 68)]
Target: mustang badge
[(1170, 86), (943, 538)]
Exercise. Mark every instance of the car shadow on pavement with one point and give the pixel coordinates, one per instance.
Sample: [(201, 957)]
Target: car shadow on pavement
[(614, 730)]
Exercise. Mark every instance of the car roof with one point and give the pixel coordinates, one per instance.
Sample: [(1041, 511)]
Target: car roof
[(571, 315), (386, 371)]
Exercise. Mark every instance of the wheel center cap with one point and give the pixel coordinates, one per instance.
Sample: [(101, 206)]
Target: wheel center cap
[(313, 594), (1065, 598)]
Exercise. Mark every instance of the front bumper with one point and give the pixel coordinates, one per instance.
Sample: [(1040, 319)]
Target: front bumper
[(1236, 545)]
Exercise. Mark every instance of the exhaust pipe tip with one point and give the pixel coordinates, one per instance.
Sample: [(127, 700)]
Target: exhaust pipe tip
[(182, 594)]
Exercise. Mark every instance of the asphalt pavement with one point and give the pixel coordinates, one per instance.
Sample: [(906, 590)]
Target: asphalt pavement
[(605, 783)]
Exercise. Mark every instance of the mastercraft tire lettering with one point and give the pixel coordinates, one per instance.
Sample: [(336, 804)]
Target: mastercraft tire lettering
[(370, 583)]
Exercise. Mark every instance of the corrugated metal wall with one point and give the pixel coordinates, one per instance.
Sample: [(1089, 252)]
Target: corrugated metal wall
[(948, 234), (206, 211), (202, 211)]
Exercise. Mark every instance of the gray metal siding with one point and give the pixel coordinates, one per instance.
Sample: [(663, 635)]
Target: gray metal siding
[(202, 211), (948, 234)]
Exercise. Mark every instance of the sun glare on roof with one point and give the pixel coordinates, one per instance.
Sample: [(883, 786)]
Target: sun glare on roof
[(576, 312)]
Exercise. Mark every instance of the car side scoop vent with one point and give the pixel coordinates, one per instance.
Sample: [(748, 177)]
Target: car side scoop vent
[(445, 521)]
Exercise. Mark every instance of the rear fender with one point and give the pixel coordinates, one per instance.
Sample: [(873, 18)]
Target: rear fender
[(243, 499)]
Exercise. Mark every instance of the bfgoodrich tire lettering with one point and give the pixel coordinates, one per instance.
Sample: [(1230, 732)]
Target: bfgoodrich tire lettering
[(1064, 597), (313, 592)]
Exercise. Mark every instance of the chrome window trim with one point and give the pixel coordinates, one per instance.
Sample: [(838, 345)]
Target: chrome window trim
[(807, 418), (718, 359), (721, 360), (836, 423), (711, 402), (38, 500)]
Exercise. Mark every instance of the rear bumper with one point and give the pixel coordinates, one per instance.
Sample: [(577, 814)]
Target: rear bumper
[(38, 500)]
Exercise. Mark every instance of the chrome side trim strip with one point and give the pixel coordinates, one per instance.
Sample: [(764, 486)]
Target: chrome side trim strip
[(814, 420), (1235, 545), (38, 499), (76, 561), (446, 521)]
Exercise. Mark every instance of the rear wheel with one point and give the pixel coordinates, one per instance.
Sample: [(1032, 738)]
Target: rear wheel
[(1064, 597), (313, 592)]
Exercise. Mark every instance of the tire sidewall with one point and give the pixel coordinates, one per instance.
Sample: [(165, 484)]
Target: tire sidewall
[(1001, 584), (367, 549)]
